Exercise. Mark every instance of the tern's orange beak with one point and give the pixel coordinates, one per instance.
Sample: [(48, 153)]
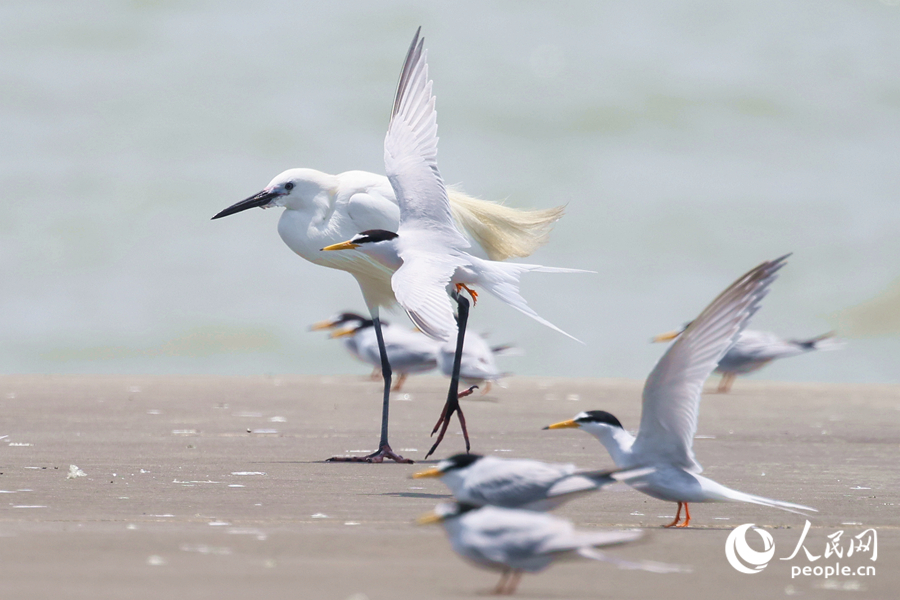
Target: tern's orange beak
[(570, 424), (432, 472), (348, 245)]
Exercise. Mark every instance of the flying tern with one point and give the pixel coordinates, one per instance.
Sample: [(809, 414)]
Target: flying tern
[(755, 349), (671, 403), (519, 483), (322, 209), (427, 253)]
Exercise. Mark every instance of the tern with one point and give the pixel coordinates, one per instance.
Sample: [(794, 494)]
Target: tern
[(407, 351), (478, 365), (322, 209), (671, 403), (519, 483), (428, 253), (514, 541), (755, 349)]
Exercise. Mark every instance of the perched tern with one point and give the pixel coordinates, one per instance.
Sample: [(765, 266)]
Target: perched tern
[(755, 349), (519, 483), (407, 351), (428, 252), (671, 403), (514, 541), (322, 209), (478, 365)]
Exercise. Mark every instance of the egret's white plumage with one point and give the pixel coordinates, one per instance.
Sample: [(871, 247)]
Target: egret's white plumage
[(671, 403), (519, 483), (429, 252), (322, 209)]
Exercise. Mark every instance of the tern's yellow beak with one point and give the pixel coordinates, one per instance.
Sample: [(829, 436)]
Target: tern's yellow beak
[(432, 472), (348, 245), (668, 336), (337, 333), (321, 325), (429, 519), (570, 424)]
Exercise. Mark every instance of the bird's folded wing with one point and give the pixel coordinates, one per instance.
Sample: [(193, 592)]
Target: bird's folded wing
[(671, 398), (410, 153), (420, 286), (515, 483)]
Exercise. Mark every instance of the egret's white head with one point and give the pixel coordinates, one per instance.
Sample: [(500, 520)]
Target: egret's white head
[(294, 189)]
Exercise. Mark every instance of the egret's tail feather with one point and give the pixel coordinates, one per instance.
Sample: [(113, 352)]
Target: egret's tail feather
[(826, 341), (502, 231)]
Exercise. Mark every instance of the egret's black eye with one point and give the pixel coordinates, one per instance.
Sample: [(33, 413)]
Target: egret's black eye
[(289, 185)]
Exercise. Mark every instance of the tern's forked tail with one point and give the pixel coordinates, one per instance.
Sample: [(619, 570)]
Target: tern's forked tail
[(502, 280)]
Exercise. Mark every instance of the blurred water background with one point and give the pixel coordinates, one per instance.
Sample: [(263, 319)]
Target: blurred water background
[(690, 140)]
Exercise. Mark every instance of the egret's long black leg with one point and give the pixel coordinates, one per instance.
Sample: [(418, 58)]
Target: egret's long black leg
[(384, 448), (453, 395)]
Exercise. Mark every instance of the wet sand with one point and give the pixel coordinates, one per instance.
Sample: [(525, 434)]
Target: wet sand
[(212, 487)]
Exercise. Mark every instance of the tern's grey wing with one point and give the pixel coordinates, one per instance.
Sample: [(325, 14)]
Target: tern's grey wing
[(420, 286), (671, 398), (410, 154), (512, 483)]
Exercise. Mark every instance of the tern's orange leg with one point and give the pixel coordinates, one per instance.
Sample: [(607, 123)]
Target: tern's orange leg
[(513, 583), (500, 588), (473, 293), (399, 383), (726, 382), (687, 516), (677, 516)]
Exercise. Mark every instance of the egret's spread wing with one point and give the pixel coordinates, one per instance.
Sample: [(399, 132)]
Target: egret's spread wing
[(672, 392), (420, 286), (410, 153)]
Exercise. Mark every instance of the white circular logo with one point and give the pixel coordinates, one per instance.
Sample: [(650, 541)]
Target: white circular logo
[(740, 554)]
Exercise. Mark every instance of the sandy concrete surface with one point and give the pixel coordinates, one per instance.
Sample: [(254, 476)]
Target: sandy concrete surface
[(212, 487)]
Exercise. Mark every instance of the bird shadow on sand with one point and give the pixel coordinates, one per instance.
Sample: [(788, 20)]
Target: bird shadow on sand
[(415, 495)]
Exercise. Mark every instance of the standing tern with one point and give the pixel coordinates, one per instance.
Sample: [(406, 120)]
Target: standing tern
[(519, 483), (515, 541), (755, 349), (428, 252), (407, 351), (671, 403), (477, 366), (322, 209)]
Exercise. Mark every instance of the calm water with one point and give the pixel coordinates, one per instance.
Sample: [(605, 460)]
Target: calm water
[(690, 141)]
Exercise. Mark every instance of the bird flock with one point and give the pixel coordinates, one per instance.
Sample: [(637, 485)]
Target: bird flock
[(410, 241)]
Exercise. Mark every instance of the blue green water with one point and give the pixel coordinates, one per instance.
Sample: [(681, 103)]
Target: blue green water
[(689, 140)]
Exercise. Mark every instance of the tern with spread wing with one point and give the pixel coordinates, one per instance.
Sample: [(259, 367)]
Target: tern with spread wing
[(755, 349), (427, 253), (322, 209), (671, 403)]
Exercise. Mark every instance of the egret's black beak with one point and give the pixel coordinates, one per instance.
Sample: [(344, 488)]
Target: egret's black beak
[(260, 199)]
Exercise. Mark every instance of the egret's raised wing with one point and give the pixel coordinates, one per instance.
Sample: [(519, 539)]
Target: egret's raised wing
[(420, 286), (410, 154), (672, 391)]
